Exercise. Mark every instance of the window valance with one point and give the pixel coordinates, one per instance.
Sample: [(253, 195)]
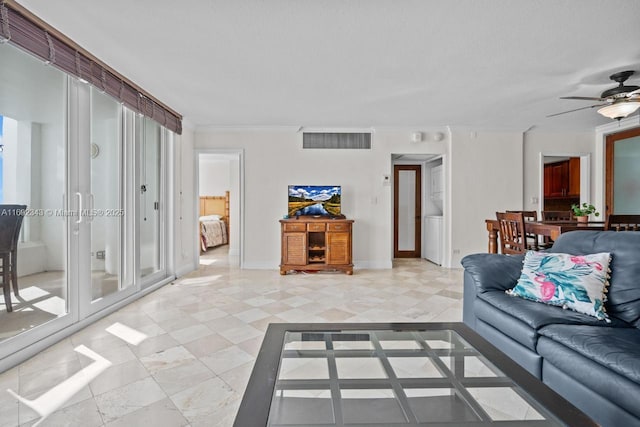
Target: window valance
[(20, 28)]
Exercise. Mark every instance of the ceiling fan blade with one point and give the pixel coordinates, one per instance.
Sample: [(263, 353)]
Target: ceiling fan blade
[(582, 98), (577, 109), (633, 93)]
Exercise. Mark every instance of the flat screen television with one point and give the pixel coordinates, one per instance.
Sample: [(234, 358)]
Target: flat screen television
[(314, 200)]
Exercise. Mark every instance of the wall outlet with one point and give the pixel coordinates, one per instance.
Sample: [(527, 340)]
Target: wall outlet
[(100, 254), (456, 251)]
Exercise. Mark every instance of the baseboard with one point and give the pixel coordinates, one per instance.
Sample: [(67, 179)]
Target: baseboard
[(358, 265), (184, 270)]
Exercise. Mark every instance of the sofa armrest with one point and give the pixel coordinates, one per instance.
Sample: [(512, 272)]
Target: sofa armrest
[(492, 272)]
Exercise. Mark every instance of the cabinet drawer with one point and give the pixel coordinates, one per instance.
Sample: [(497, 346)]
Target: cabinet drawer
[(294, 227), (315, 226), (338, 227)]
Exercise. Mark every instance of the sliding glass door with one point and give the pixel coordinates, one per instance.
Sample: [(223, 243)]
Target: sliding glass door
[(622, 192), (104, 175), (35, 159), (92, 175), (151, 203)]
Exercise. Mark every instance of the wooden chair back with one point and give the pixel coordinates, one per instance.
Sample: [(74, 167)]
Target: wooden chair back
[(532, 239), (557, 216), (528, 215), (623, 223), (512, 240)]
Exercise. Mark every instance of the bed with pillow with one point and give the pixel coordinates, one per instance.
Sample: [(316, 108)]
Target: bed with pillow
[(570, 316), (214, 221)]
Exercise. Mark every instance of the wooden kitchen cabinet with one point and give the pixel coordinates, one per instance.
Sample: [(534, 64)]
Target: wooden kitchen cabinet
[(316, 244), (574, 177), (562, 179)]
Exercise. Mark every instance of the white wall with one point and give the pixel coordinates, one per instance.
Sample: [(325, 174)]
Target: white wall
[(234, 207), (486, 171), (275, 159), (552, 144), (486, 176), (214, 176), (185, 202)]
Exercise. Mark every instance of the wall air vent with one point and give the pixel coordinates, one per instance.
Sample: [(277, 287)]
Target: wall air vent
[(335, 140)]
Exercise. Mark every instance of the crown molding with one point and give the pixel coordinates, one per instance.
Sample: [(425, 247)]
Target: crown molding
[(247, 129)]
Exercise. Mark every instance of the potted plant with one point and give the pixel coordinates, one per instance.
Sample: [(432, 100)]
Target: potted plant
[(582, 212)]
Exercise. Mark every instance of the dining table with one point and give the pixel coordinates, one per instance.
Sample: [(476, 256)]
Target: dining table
[(551, 229)]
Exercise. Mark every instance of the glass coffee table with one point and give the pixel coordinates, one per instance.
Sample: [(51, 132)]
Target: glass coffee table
[(393, 374)]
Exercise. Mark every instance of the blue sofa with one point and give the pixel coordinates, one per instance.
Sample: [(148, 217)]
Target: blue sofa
[(592, 363)]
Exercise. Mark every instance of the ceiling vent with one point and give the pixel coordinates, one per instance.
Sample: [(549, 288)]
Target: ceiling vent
[(334, 140)]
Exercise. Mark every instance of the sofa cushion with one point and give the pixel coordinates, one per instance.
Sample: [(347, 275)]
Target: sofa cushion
[(577, 282), (520, 318), (491, 272), (624, 247), (617, 349), (602, 379), (506, 323)]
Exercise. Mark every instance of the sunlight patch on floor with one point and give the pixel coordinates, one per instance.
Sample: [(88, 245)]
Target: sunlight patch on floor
[(53, 305), (126, 333), (200, 280)]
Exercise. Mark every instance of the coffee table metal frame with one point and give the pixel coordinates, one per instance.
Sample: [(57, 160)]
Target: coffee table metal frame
[(255, 406)]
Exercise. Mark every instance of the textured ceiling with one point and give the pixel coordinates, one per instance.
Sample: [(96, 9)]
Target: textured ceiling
[(491, 64)]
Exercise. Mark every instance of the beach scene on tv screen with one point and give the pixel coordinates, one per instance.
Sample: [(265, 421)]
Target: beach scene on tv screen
[(314, 200)]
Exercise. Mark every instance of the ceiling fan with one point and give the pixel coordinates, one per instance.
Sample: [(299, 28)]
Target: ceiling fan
[(617, 102)]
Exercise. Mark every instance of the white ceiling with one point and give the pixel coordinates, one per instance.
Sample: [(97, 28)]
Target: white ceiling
[(491, 64)]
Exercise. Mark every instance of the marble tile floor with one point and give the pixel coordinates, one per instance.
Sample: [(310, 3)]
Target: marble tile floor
[(203, 333)]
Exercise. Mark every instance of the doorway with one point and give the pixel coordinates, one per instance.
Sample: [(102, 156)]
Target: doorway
[(407, 211), (218, 178), (622, 182), (564, 180)]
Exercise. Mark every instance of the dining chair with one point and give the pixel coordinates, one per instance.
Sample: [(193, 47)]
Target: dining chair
[(623, 223), (532, 239), (512, 240), (557, 216), (11, 217)]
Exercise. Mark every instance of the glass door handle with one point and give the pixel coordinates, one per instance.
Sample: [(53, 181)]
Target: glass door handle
[(79, 195)]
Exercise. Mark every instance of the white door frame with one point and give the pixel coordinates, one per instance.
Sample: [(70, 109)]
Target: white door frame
[(585, 175), (239, 155)]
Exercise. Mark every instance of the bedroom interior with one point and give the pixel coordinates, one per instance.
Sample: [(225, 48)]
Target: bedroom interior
[(214, 221)]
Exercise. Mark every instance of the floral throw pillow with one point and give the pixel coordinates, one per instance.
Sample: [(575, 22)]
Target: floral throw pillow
[(577, 282)]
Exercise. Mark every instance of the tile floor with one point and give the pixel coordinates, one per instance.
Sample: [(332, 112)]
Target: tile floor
[(202, 335)]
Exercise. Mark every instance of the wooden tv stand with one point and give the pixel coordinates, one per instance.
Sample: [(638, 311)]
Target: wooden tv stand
[(316, 244)]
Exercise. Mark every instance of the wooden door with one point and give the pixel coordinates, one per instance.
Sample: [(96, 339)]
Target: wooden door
[(407, 211), (622, 173)]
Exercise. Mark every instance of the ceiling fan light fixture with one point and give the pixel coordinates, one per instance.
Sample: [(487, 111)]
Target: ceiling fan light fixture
[(619, 110)]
